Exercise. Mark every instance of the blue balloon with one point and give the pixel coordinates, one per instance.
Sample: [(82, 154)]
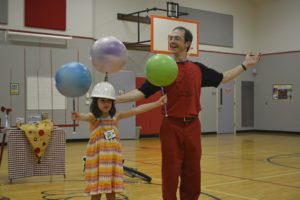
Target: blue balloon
[(73, 79)]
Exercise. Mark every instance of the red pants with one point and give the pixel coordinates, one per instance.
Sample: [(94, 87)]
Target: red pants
[(181, 153)]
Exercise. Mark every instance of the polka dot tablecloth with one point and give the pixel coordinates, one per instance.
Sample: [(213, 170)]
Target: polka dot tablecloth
[(23, 163)]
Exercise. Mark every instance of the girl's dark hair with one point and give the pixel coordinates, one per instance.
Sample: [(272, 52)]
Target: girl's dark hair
[(97, 113), (188, 36)]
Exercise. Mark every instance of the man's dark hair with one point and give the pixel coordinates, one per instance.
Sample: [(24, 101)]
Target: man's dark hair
[(188, 36), (97, 113)]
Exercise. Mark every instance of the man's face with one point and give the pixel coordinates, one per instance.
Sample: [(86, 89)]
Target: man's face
[(177, 42)]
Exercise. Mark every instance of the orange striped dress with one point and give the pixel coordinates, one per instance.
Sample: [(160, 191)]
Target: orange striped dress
[(104, 167)]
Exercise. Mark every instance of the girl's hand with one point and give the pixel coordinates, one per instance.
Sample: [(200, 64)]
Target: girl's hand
[(89, 117), (163, 100), (75, 116)]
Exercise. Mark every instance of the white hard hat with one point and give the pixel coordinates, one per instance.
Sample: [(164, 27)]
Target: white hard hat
[(104, 90)]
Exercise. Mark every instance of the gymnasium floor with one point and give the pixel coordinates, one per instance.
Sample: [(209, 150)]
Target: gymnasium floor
[(249, 166)]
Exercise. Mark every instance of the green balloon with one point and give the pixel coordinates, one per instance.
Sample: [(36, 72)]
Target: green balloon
[(161, 70)]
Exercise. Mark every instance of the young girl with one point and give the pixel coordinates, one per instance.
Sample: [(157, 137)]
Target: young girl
[(104, 168)]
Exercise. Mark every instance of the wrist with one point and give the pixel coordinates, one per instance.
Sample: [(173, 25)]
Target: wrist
[(244, 67)]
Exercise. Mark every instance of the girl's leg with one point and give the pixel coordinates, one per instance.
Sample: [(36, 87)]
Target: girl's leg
[(96, 197), (111, 196)]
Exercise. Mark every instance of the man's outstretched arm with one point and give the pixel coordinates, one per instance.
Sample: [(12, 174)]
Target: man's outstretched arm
[(132, 95), (250, 61)]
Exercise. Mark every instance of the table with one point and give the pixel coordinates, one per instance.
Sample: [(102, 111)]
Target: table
[(22, 162)]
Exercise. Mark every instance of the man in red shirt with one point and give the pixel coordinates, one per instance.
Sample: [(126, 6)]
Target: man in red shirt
[(180, 132)]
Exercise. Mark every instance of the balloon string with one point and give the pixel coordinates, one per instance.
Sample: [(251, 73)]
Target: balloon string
[(106, 77), (165, 104), (74, 128)]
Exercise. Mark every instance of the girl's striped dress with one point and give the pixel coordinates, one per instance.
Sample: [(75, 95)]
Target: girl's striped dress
[(104, 167)]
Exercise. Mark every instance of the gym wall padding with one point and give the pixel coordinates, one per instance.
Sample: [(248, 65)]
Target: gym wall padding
[(48, 14), (3, 11), (149, 121)]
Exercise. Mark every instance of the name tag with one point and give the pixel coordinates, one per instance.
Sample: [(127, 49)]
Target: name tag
[(108, 135)]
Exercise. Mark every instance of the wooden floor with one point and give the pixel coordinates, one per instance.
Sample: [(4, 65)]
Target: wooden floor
[(244, 167)]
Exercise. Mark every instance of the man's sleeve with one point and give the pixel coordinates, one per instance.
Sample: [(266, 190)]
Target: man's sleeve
[(210, 77), (148, 89)]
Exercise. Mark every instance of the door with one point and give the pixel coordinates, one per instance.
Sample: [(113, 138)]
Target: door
[(124, 81), (247, 92), (226, 108)]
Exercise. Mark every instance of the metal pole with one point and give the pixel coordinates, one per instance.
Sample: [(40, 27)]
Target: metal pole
[(74, 125), (138, 25)]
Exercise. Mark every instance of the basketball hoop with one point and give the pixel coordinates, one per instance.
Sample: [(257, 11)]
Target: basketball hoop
[(172, 9)]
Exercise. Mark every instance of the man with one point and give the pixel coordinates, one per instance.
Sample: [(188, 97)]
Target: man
[(180, 132)]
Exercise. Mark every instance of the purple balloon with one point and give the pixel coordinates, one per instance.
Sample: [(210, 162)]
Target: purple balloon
[(108, 54)]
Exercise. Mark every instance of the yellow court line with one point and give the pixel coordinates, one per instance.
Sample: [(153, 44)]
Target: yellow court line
[(231, 182), (229, 194), (251, 179), (264, 177)]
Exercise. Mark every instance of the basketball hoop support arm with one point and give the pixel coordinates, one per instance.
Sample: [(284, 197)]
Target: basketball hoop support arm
[(140, 19)]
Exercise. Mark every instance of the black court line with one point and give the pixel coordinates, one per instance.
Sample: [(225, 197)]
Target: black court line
[(71, 194), (273, 161), (211, 196), (142, 162), (202, 193)]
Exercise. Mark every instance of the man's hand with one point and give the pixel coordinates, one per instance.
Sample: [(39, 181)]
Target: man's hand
[(251, 60)]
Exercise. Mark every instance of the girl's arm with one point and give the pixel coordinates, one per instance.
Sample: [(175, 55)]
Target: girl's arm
[(83, 117), (142, 108)]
